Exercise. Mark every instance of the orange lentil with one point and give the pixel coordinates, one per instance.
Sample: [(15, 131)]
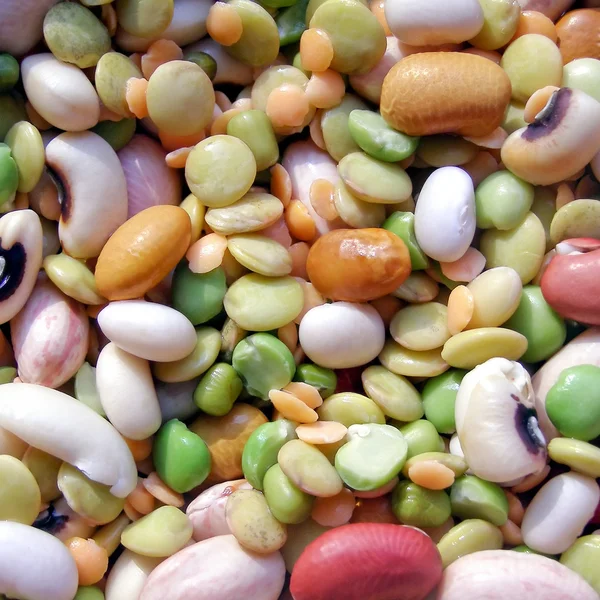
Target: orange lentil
[(174, 142), (431, 475), (312, 297), (532, 21), (321, 432), (108, 115), (480, 167), (287, 106), (135, 95), (307, 393), (233, 269), (21, 201), (207, 253), (325, 89), (288, 334), (109, 536), (141, 499), (177, 158), (316, 131), (161, 491), (531, 481), (461, 305), (493, 140), (299, 252), (224, 24), (159, 53), (380, 491), (145, 466), (300, 223), (281, 184), (140, 449), (374, 510), (515, 508), (299, 355), (321, 196), (90, 558), (437, 533), (378, 9), (387, 307), (291, 407), (537, 102), (279, 232), (222, 101), (511, 533), (136, 59), (489, 54), (564, 195), (407, 162), (316, 50), (243, 103), (334, 511), (466, 268), (219, 125), (131, 513)]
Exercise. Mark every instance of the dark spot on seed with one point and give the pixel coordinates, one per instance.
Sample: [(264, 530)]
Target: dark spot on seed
[(515, 397), (12, 269), (524, 425), (64, 191), (552, 116), (50, 522)]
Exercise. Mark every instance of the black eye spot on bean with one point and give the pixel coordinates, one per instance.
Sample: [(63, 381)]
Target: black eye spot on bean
[(12, 269), (50, 522), (525, 418), (551, 116)]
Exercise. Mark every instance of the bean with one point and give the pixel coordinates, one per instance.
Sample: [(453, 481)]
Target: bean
[(20, 498), (475, 498), (468, 537)]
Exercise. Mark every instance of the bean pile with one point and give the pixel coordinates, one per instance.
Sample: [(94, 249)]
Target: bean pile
[(299, 300)]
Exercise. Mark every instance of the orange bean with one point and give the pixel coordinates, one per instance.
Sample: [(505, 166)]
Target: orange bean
[(489, 54), (537, 102), (316, 50), (287, 106), (515, 508), (279, 232), (431, 474), (90, 558), (243, 104), (177, 158), (461, 305), (312, 297), (108, 115), (233, 269), (307, 393), (374, 510), (335, 510), (21, 201), (174, 142), (377, 8), (135, 95), (288, 334), (299, 355), (480, 167), (300, 223), (224, 24), (141, 499), (145, 466), (316, 132), (281, 184), (292, 408), (321, 196), (299, 252), (511, 533), (564, 195), (532, 21), (466, 268), (380, 491), (207, 253), (222, 101), (159, 53), (219, 125), (321, 432), (493, 140), (161, 491), (531, 481), (325, 89), (387, 307), (131, 513), (140, 449)]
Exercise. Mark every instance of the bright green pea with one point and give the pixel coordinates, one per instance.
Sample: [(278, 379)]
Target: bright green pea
[(264, 363), (117, 133), (12, 110), (583, 74), (475, 498), (403, 225), (7, 374), (89, 593), (417, 506), (573, 402), (439, 397), (334, 124), (291, 23), (199, 296), (205, 61), (181, 458), (502, 200), (261, 449), (373, 455), (325, 380), (375, 137), (9, 72), (9, 175), (218, 389), (583, 557), (421, 436), (254, 128), (349, 409), (288, 503), (544, 329)]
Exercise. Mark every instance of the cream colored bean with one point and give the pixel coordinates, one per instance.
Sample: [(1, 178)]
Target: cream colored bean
[(13, 446), (60, 93), (95, 204), (421, 327), (147, 330), (34, 564), (128, 575), (127, 393), (496, 295), (559, 512), (53, 422)]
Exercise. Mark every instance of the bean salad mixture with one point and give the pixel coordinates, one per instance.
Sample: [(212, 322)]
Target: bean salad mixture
[(299, 300)]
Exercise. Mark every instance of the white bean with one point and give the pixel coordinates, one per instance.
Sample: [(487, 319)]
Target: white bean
[(559, 512), (148, 330), (445, 214), (128, 576), (342, 334), (127, 393), (34, 564), (60, 425)]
